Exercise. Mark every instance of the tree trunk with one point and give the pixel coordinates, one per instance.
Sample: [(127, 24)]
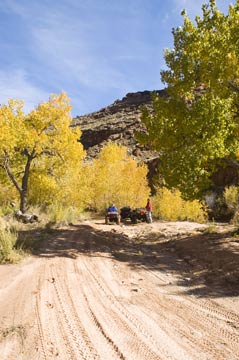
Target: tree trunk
[(23, 201), (24, 190)]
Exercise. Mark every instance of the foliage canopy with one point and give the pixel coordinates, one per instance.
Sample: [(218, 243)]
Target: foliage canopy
[(39, 149), (117, 178), (195, 127)]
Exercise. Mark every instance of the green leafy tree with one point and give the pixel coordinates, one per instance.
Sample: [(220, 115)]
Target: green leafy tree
[(39, 146), (195, 127)]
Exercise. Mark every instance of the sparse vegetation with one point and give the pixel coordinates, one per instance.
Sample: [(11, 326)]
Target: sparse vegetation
[(8, 239), (231, 198), (211, 229), (62, 215)]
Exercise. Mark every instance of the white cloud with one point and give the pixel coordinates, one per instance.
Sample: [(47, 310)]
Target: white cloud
[(15, 85), (94, 48), (76, 40), (77, 52)]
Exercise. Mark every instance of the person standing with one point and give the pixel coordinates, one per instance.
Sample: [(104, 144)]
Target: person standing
[(149, 209)]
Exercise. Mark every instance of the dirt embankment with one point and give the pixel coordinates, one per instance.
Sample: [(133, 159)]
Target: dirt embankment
[(145, 291)]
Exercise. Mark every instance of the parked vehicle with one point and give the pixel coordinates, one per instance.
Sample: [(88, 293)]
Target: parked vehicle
[(125, 212), (112, 217), (139, 214), (135, 215)]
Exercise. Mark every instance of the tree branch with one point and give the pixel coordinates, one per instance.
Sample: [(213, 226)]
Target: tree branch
[(232, 163), (232, 85), (9, 172)]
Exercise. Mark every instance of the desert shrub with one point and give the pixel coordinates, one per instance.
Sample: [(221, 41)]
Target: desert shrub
[(8, 195), (8, 239), (169, 205), (231, 200), (62, 215), (194, 210), (7, 192), (2, 223), (231, 197), (6, 210), (211, 229), (235, 218)]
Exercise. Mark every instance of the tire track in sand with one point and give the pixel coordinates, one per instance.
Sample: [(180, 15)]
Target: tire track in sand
[(139, 333)]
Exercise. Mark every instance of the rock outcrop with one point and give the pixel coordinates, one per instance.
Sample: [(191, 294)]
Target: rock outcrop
[(118, 123)]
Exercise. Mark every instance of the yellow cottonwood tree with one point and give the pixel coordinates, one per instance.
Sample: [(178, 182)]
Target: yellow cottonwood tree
[(41, 143), (116, 177)]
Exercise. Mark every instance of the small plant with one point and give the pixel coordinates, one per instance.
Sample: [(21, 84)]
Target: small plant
[(211, 229)]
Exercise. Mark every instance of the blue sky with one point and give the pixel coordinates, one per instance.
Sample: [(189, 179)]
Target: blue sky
[(94, 50)]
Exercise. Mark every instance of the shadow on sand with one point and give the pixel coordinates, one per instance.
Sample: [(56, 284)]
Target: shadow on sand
[(206, 264)]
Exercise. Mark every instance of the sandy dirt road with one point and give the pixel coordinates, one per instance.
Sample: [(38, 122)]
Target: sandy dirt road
[(97, 292)]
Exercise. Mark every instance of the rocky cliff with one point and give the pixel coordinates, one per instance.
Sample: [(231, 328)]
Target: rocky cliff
[(118, 123)]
